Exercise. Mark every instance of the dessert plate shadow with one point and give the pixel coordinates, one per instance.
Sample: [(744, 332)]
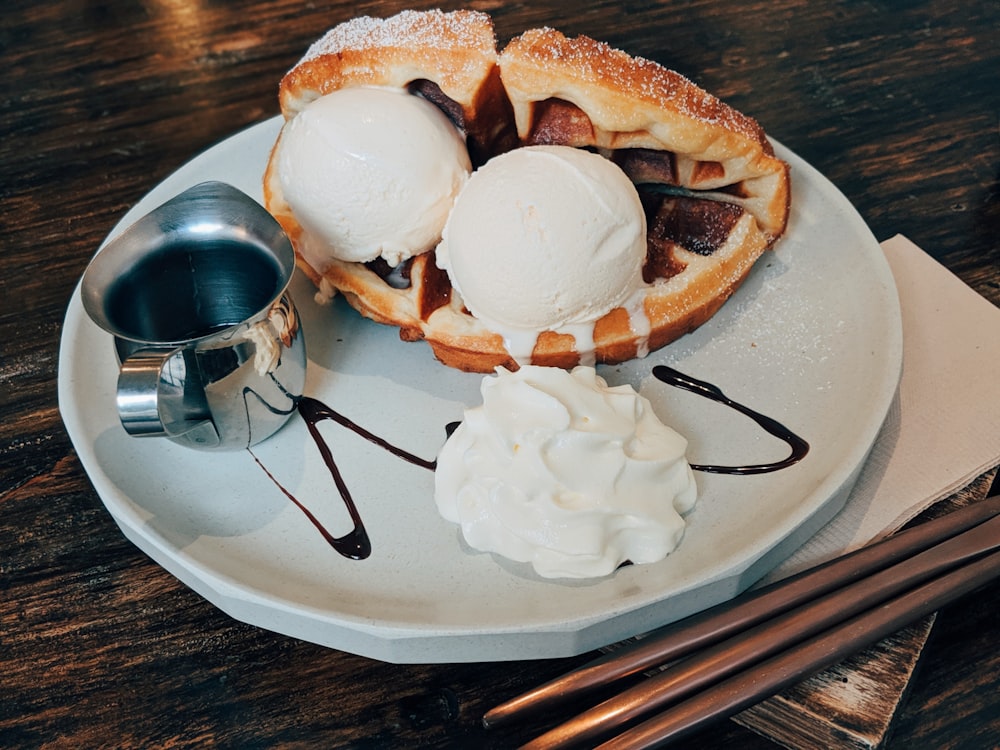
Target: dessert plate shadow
[(812, 339)]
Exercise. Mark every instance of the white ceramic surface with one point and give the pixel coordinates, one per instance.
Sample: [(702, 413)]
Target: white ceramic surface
[(813, 339)]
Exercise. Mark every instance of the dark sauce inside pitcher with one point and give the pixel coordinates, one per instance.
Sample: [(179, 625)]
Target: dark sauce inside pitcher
[(228, 280), (356, 544)]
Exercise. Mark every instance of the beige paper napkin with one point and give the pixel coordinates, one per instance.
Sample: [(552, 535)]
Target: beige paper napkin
[(943, 429)]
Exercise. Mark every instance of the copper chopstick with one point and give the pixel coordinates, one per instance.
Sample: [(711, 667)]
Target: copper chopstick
[(749, 687), (722, 621), (769, 638)]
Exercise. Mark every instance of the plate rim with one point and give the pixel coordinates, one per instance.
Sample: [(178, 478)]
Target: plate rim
[(398, 642)]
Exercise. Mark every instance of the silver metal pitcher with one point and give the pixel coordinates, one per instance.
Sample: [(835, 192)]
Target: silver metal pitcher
[(195, 294)]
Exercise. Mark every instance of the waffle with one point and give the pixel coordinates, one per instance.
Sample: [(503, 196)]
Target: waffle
[(715, 195)]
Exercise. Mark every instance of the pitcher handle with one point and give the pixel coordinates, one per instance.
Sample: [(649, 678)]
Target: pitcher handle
[(157, 398)]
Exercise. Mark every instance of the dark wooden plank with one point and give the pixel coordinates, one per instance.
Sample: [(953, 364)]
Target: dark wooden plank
[(853, 704)]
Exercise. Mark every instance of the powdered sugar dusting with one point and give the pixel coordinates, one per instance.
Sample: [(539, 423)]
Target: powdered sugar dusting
[(597, 61), (429, 29), (773, 328), (455, 49)]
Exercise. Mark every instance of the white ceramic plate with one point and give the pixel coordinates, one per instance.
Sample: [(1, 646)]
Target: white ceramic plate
[(812, 338)]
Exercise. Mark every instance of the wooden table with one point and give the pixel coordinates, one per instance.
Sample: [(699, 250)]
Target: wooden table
[(897, 103)]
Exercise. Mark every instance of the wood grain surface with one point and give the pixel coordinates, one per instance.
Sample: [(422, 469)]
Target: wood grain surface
[(897, 102), (854, 704)]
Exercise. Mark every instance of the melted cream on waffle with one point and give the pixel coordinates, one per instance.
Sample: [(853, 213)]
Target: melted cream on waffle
[(714, 194)]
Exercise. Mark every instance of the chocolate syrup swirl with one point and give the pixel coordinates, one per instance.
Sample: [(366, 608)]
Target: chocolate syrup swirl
[(314, 412), (799, 447), (356, 543)]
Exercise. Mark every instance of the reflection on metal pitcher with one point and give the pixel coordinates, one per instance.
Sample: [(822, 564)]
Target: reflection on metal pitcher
[(196, 296)]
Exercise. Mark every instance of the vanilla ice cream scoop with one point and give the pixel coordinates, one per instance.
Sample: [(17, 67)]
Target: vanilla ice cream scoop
[(544, 238), (559, 469), (370, 172)]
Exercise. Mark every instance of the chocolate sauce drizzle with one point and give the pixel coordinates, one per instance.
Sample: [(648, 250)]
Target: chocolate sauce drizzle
[(314, 412), (799, 447), (357, 545)]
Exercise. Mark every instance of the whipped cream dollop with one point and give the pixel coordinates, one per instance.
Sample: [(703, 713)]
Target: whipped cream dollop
[(370, 172), (544, 238), (558, 469)]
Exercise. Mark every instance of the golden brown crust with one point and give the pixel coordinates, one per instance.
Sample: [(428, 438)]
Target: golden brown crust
[(455, 50), (632, 103), (658, 125), (626, 96)]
